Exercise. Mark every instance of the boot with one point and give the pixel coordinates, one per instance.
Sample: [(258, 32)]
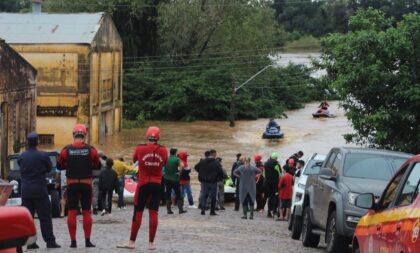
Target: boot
[(251, 212), (168, 206), (181, 206), (245, 209)]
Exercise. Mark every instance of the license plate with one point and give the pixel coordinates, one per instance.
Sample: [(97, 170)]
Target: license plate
[(14, 202)]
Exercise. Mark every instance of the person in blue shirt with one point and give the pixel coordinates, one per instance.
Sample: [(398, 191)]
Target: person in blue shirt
[(34, 164)]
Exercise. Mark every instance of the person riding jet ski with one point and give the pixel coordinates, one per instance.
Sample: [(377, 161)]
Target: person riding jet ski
[(272, 123)]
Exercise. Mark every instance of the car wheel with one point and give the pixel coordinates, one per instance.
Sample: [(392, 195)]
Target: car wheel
[(335, 242), (308, 238), (55, 204), (291, 218), (296, 227)]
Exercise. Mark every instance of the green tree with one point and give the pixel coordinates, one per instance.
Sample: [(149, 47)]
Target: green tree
[(375, 69)]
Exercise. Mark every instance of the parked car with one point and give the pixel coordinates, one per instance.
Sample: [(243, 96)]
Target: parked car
[(329, 203), (17, 225), (14, 177), (312, 167), (393, 223)]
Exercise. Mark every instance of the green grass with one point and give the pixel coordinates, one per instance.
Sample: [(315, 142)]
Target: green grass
[(304, 42)]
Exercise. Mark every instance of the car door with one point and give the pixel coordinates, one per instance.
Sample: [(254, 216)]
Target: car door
[(321, 194), (404, 235), (376, 222), (328, 188)]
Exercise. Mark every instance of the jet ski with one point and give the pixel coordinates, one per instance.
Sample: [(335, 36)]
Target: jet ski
[(323, 113), (273, 133)]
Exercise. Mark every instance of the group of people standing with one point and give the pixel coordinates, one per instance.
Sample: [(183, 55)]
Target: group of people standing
[(261, 183), (269, 182)]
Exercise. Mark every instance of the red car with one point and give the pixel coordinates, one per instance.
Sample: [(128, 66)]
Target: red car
[(392, 223), (17, 227)]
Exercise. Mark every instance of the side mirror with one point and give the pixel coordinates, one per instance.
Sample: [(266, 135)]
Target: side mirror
[(365, 201), (326, 174)]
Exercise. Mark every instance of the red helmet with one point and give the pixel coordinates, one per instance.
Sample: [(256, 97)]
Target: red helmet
[(79, 129), (257, 157), (291, 161), (153, 133)]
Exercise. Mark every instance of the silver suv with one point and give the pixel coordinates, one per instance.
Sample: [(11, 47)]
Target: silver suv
[(329, 203)]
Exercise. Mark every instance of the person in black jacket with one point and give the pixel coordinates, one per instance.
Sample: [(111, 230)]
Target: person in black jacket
[(209, 171), (272, 175), (108, 182), (34, 165)]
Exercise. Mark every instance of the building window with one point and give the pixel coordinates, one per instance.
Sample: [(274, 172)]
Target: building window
[(46, 139)]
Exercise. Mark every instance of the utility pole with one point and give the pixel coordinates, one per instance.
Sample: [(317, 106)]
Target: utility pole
[(235, 89), (232, 105)]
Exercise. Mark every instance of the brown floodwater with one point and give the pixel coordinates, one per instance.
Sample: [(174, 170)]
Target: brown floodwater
[(302, 132)]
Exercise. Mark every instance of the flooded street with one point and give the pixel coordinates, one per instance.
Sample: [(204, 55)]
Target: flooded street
[(302, 132), (227, 232)]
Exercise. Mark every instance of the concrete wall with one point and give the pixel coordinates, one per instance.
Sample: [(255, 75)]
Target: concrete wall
[(17, 103)]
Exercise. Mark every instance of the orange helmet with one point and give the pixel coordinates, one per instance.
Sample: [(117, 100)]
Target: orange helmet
[(257, 157), (79, 129), (153, 133)]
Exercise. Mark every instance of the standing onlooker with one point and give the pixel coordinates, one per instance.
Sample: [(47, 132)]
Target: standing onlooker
[(209, 172), (171, 173), (290, 166), (247, 186), (34, 165), (271, 175), (184, 179), (96, 198), (285, 194), (79, 160), (235, 180), (108, 182), (299, 168), (197, 168), (297, 156), (221, 188), (122, 169), (151, 157), (62, 185), (260, 197)]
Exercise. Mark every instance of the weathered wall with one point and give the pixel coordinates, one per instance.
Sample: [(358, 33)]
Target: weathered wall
[(17, 102), (106, 85), (63, 86)]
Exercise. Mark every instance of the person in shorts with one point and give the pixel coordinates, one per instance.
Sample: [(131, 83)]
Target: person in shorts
[(285, 195)]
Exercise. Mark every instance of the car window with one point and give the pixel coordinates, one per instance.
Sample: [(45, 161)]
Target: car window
[(369, 166), (336, 165), (14, 166), (330, 160), (410, 189), (313, 167), (391, 190)]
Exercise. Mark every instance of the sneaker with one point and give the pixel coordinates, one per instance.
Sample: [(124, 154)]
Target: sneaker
[(124, 208), (103, 212), (192, 207), (213, 214), (222, 209), (203, 212), (53, 245), (33, 246)]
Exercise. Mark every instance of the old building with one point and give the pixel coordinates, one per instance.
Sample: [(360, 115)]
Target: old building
[(79, 62), (17, 102)]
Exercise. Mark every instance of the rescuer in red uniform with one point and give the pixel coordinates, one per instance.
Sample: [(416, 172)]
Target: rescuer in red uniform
[(79, 160), (151, 157)]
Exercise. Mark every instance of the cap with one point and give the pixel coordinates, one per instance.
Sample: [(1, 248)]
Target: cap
[(32, 136)]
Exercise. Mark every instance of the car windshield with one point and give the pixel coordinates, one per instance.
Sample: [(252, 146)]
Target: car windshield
[(313, 167), (371, 166)]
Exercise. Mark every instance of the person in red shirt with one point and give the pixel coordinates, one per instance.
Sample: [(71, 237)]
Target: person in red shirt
[(285, 194), (151, 157), (79, 160)]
